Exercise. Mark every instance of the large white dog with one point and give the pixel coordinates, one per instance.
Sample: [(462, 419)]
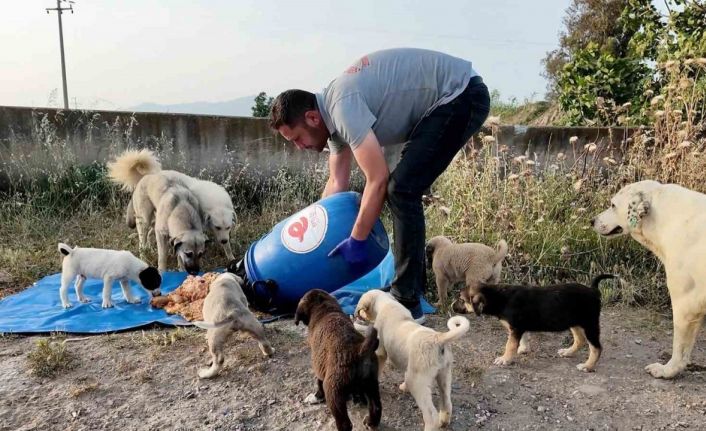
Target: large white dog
[(670, 221), (216, 206)]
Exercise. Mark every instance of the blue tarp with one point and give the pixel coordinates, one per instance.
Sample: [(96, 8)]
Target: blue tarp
[(38, 308)]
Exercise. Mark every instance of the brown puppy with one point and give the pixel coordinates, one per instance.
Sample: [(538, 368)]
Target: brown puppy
[(343, 361)]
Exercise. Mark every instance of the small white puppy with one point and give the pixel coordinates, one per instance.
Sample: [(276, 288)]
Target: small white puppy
[(225, 310), (423, 353), (109, 266)]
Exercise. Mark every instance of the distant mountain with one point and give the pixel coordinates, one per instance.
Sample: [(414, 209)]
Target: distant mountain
[(239, 107)]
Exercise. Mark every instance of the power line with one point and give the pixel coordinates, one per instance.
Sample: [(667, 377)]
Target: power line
[(60, 11)]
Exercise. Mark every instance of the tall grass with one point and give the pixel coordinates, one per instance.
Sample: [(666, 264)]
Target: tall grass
[(486, 194)]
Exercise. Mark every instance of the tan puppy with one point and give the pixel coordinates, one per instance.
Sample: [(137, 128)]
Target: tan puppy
[(423, 353), (470, 263), (226, 310)]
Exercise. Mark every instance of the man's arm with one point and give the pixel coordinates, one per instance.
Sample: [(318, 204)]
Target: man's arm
[(339, 166), (372, 162)]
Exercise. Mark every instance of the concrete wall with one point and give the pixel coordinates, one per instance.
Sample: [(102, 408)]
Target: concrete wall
[(41, 136)]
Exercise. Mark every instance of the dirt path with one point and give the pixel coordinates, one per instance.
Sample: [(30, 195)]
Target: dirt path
[(147, 381)]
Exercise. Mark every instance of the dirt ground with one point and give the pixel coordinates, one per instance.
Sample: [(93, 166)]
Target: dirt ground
[(146, 380)]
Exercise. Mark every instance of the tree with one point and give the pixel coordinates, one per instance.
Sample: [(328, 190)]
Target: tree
[(262, 105), (586, 22)]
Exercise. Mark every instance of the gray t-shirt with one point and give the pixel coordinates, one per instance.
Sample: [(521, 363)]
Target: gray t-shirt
[(389, 91)]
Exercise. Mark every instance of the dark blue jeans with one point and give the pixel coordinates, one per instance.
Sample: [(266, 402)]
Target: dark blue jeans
[(432, 145)]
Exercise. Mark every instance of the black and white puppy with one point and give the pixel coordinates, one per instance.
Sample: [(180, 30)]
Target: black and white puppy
[(552, 308), (106, 265)]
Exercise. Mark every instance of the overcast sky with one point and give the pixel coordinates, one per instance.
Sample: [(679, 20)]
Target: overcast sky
[(122, 53)]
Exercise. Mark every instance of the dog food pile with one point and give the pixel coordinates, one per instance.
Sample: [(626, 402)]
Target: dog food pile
[(187, 299)]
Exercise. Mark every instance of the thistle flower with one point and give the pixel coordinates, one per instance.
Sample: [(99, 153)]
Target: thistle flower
[(610, 161), (591, 148), (512, 177), (529, 162), (655, 100), (488, 140), (561, 157), (573, 140), (493, 121)]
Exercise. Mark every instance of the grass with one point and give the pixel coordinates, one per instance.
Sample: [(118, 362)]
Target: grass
[(49, 358), (487, 193)]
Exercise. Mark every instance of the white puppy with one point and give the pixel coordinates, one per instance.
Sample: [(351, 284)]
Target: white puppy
[(107, 265), (670, 221), (225, 310), (422, 352)]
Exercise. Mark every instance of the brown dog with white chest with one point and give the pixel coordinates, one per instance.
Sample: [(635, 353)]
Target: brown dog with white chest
[(343, 360)]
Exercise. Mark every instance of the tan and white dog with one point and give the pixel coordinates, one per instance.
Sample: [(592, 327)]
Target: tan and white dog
[(225, 310), (169, 202), (423, 353), (670, 221)]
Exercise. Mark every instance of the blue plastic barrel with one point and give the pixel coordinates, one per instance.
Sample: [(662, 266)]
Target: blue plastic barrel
[(295, 253)]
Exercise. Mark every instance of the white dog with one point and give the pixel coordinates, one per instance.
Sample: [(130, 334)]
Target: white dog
[(216, 206), (670, 221), (106, 265), (423, 353), (225, 310)]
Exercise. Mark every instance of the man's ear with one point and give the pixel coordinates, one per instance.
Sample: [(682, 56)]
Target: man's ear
[(312, 118), (638, 209)]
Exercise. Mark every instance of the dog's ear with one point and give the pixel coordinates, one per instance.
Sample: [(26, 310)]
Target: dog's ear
[(638, 208), (302, 313), (176, 243), (207, 219), (150, 278), (478, 302)]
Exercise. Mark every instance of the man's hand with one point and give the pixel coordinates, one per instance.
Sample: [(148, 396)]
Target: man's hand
[(352, 250)]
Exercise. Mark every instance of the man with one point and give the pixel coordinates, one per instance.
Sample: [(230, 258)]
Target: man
[(429, 101)]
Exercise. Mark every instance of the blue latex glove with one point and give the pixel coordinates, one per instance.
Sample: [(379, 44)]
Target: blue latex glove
[(352, 250)]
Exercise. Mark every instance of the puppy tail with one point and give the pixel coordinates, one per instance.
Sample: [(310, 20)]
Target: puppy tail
[(65, 249), (207, 325), (501, 252), (370, 344), (130, 216), (458, 326), (129, 168), (596, 281)]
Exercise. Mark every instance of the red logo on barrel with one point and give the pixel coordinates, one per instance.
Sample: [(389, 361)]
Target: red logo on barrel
[(298, 229)]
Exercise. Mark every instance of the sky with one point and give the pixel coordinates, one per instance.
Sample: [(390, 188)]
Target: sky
[(120, 53)]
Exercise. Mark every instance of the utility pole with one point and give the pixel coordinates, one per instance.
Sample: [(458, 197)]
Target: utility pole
[(59, 10)]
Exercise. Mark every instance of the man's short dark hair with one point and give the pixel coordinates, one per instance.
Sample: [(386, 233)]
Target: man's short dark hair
[(289, 107)]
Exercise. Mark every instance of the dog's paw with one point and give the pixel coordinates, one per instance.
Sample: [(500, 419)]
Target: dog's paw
[(403, 387), (502, 361), (444, 418), (107, 304), (84, 300), (660, 371), (313, 399), (207, 373), (368, 425), (66, 305), (523, 349), (565, 353), (585, 368)]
